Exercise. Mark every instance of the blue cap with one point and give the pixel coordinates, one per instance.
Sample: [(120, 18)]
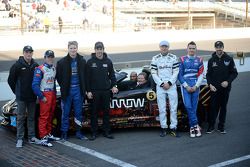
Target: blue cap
[(164, 43), (49, 53)]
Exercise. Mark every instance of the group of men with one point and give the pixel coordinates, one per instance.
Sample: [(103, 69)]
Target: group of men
[(166, 68), (76, 78), (95, 78)]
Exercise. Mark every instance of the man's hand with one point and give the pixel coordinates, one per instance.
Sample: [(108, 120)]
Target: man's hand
[(114, 90), (90, 95), (224, 84), (189, 89), (212, 88), (194, 88), (44, 100), (166, 86)]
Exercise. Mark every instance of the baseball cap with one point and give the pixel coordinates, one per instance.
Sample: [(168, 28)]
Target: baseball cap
[(27, 49), (218, 44), (99, 45), (49, 53), (164, 43)]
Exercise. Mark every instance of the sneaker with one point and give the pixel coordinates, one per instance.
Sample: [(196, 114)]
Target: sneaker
[(44, 142), (52, 138), (173, 132), (108, 135), (222, 131), (163, 132), (192, 132), (80, 136), (210, 130), (34, 140), (64, 136), (93, 137), (197, 131), (19, 143)]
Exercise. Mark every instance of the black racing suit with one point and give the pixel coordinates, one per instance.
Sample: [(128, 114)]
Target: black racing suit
[(219, 70), (101, 78)]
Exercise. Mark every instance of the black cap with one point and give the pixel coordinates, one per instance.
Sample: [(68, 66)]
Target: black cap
[(218, 44), (27, 49), (99, 45), (49, 53)]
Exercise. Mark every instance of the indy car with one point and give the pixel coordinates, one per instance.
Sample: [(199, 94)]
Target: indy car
[(128, 108)]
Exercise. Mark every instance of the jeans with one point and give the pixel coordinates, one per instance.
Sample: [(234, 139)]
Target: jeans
[(22, 107)]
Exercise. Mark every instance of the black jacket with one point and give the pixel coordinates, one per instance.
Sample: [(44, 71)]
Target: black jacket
[(63, 74), (20, 79), (221, 69), (101, 75)]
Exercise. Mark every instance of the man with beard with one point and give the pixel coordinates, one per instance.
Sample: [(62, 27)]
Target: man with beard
[(220, 74), (101, 79)]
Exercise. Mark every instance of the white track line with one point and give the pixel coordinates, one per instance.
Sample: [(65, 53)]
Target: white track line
[(232, 161), (96, 154)]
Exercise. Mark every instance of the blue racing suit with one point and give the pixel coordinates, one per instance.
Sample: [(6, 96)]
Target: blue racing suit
[(191, 74), (75, 97)]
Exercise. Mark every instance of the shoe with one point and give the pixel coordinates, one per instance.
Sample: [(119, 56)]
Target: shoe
[(64, 136), (19, 143), (44, 142), (108, 135), (80, 136), (93, 137), (34, 140), (197, 131), (52, 138), (192, 132), (173, 132), (221, 130), (210, 130), (163, 132)]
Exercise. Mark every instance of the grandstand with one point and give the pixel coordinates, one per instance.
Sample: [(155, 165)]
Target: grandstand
[(130, 15)]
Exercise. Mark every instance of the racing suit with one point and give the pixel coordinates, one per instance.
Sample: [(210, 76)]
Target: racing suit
[(165, 69), (75, 97), (43, 85), (191, 74)]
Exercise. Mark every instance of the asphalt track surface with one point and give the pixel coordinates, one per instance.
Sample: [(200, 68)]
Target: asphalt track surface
[(143, 146)]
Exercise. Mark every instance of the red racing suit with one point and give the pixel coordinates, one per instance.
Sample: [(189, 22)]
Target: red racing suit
[(43, 85)]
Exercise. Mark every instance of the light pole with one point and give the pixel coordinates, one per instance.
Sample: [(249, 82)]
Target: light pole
[(21, 15), (189, 20), (246, 12), (113, 15)]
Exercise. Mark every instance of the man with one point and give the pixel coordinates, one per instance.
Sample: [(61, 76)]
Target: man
[(101, 79), (43, 86), (142, 81), (133, 76), (190, 76), (165, 69), (220, 74), (71, 75), (20, 81)]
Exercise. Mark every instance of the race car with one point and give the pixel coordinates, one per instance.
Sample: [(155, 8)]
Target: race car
[(128, 108)]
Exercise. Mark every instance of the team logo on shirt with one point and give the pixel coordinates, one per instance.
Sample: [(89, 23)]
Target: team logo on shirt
[(226, 63), (214, 64), (94, 65), (105, 65)]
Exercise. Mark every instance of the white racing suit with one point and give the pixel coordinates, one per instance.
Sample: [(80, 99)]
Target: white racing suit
[(165, 69)]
